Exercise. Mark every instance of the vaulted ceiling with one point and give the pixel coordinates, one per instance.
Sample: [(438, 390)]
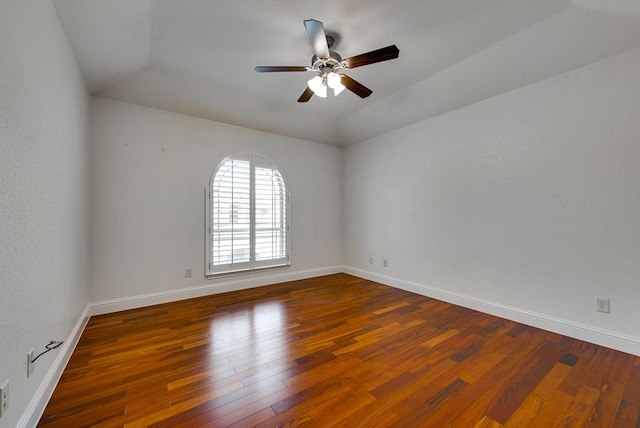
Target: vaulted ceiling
[(196, 57)]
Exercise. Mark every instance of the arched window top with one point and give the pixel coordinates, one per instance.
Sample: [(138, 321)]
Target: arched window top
[(247, 215)]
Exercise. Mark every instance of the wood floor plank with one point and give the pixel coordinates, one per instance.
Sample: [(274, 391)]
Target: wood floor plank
[(487, 422), (628, 415), (606, 408), (520, 386), (524, 415), (336, 351), (632, 389), (550, 383), (386, 403), (228, 413), (553, 409), (254, 419), (579, 412)]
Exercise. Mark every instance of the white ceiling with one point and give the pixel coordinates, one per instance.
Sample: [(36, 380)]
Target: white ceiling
[(196, 57)]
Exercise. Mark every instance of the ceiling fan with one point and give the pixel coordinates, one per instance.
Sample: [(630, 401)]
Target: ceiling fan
[(328, 65)]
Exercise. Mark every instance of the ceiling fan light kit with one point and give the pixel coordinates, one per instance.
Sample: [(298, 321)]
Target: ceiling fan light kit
[(334, 80), (318, 85), (327, 65)]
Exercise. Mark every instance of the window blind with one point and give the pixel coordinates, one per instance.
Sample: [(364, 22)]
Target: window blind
[(248, 215)]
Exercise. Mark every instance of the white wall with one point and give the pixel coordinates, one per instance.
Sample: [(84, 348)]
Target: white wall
[(149, 170), (44, 184), (530, 200)]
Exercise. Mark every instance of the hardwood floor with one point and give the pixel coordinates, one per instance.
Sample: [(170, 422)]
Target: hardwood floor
[(336, 351)]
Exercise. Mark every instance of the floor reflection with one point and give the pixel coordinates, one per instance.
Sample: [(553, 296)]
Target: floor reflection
[(247, 336)]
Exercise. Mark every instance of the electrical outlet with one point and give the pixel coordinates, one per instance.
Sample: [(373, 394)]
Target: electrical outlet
[(31, 365), (385, 263), (188, 272), (4, 398), (602, 305), (370, 260)]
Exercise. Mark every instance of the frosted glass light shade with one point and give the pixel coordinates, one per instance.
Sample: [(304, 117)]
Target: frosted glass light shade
[(318, 87), (334, 81)]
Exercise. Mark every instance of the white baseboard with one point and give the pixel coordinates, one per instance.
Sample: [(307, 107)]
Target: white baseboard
[(610, 339), (36, 407), (231, 284)]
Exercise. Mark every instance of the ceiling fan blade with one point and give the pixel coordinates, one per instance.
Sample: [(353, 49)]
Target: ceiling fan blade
[(306, 95), (382, 54), (317, 37), (356, 87), (273, 68)]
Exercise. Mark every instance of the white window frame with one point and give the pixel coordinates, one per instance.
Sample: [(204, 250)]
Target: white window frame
[(252, 264)]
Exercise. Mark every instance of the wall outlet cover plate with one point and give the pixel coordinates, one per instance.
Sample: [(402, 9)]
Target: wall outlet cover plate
[(31, 366), (4, 397)]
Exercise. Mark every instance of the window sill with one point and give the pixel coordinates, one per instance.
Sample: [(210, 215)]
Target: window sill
[(245, 271)]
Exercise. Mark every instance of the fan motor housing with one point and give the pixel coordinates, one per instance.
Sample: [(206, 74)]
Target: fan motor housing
[(334, 61)]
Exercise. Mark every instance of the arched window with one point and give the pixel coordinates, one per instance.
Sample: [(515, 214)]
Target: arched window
[(247, 215)]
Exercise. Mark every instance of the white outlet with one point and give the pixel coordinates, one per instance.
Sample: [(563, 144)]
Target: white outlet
[(370, 260), (31, 365), (188, 272), (4, 398), (385, 263), (602, 305)]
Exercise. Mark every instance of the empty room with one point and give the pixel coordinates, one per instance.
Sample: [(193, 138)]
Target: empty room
[(342, 213)]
